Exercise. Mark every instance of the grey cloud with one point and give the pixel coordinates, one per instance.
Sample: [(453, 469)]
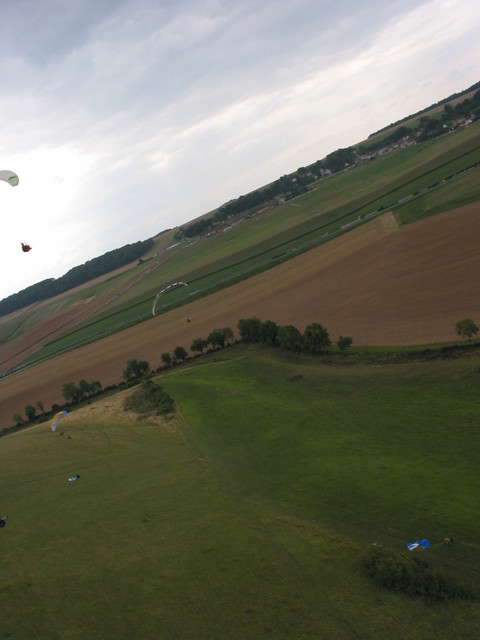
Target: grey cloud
[(221, 95)]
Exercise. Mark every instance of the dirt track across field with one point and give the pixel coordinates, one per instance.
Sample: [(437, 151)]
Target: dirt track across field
[(380, 284)]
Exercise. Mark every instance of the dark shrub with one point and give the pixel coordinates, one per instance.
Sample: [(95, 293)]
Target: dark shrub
[(411, 575)]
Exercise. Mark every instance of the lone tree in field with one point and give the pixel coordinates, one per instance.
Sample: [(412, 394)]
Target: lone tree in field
[(466, 328)]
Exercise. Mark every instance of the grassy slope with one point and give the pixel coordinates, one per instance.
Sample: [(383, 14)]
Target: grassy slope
[(249, 521)]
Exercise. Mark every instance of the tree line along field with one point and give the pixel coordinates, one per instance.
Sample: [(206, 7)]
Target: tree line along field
[(345, 284), (424, 171), (248, 513)]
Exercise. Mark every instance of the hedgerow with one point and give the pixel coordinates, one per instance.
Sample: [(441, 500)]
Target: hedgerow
[(149, 398), (411, 575)]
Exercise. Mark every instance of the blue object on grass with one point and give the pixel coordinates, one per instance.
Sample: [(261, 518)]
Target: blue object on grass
[(423, 543)]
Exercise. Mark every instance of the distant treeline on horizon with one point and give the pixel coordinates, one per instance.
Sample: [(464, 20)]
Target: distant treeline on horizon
[(432, 106), (296, 183), (76, 276)]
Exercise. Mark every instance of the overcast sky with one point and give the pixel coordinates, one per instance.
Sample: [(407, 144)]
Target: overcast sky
[(123, 118)]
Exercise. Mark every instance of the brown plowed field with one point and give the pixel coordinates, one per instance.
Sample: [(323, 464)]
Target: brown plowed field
[(380, 284), (20, 347)]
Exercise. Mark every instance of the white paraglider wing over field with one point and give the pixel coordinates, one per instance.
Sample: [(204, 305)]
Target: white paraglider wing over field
[(160, 293)]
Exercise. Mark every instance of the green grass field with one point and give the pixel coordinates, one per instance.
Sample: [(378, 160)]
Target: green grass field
[(249, 515)]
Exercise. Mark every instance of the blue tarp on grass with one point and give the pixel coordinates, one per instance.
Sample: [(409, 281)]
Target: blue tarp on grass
[(423, 543)]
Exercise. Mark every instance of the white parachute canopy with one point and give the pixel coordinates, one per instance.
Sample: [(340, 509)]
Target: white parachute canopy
[(10, 177), (160, 293)]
